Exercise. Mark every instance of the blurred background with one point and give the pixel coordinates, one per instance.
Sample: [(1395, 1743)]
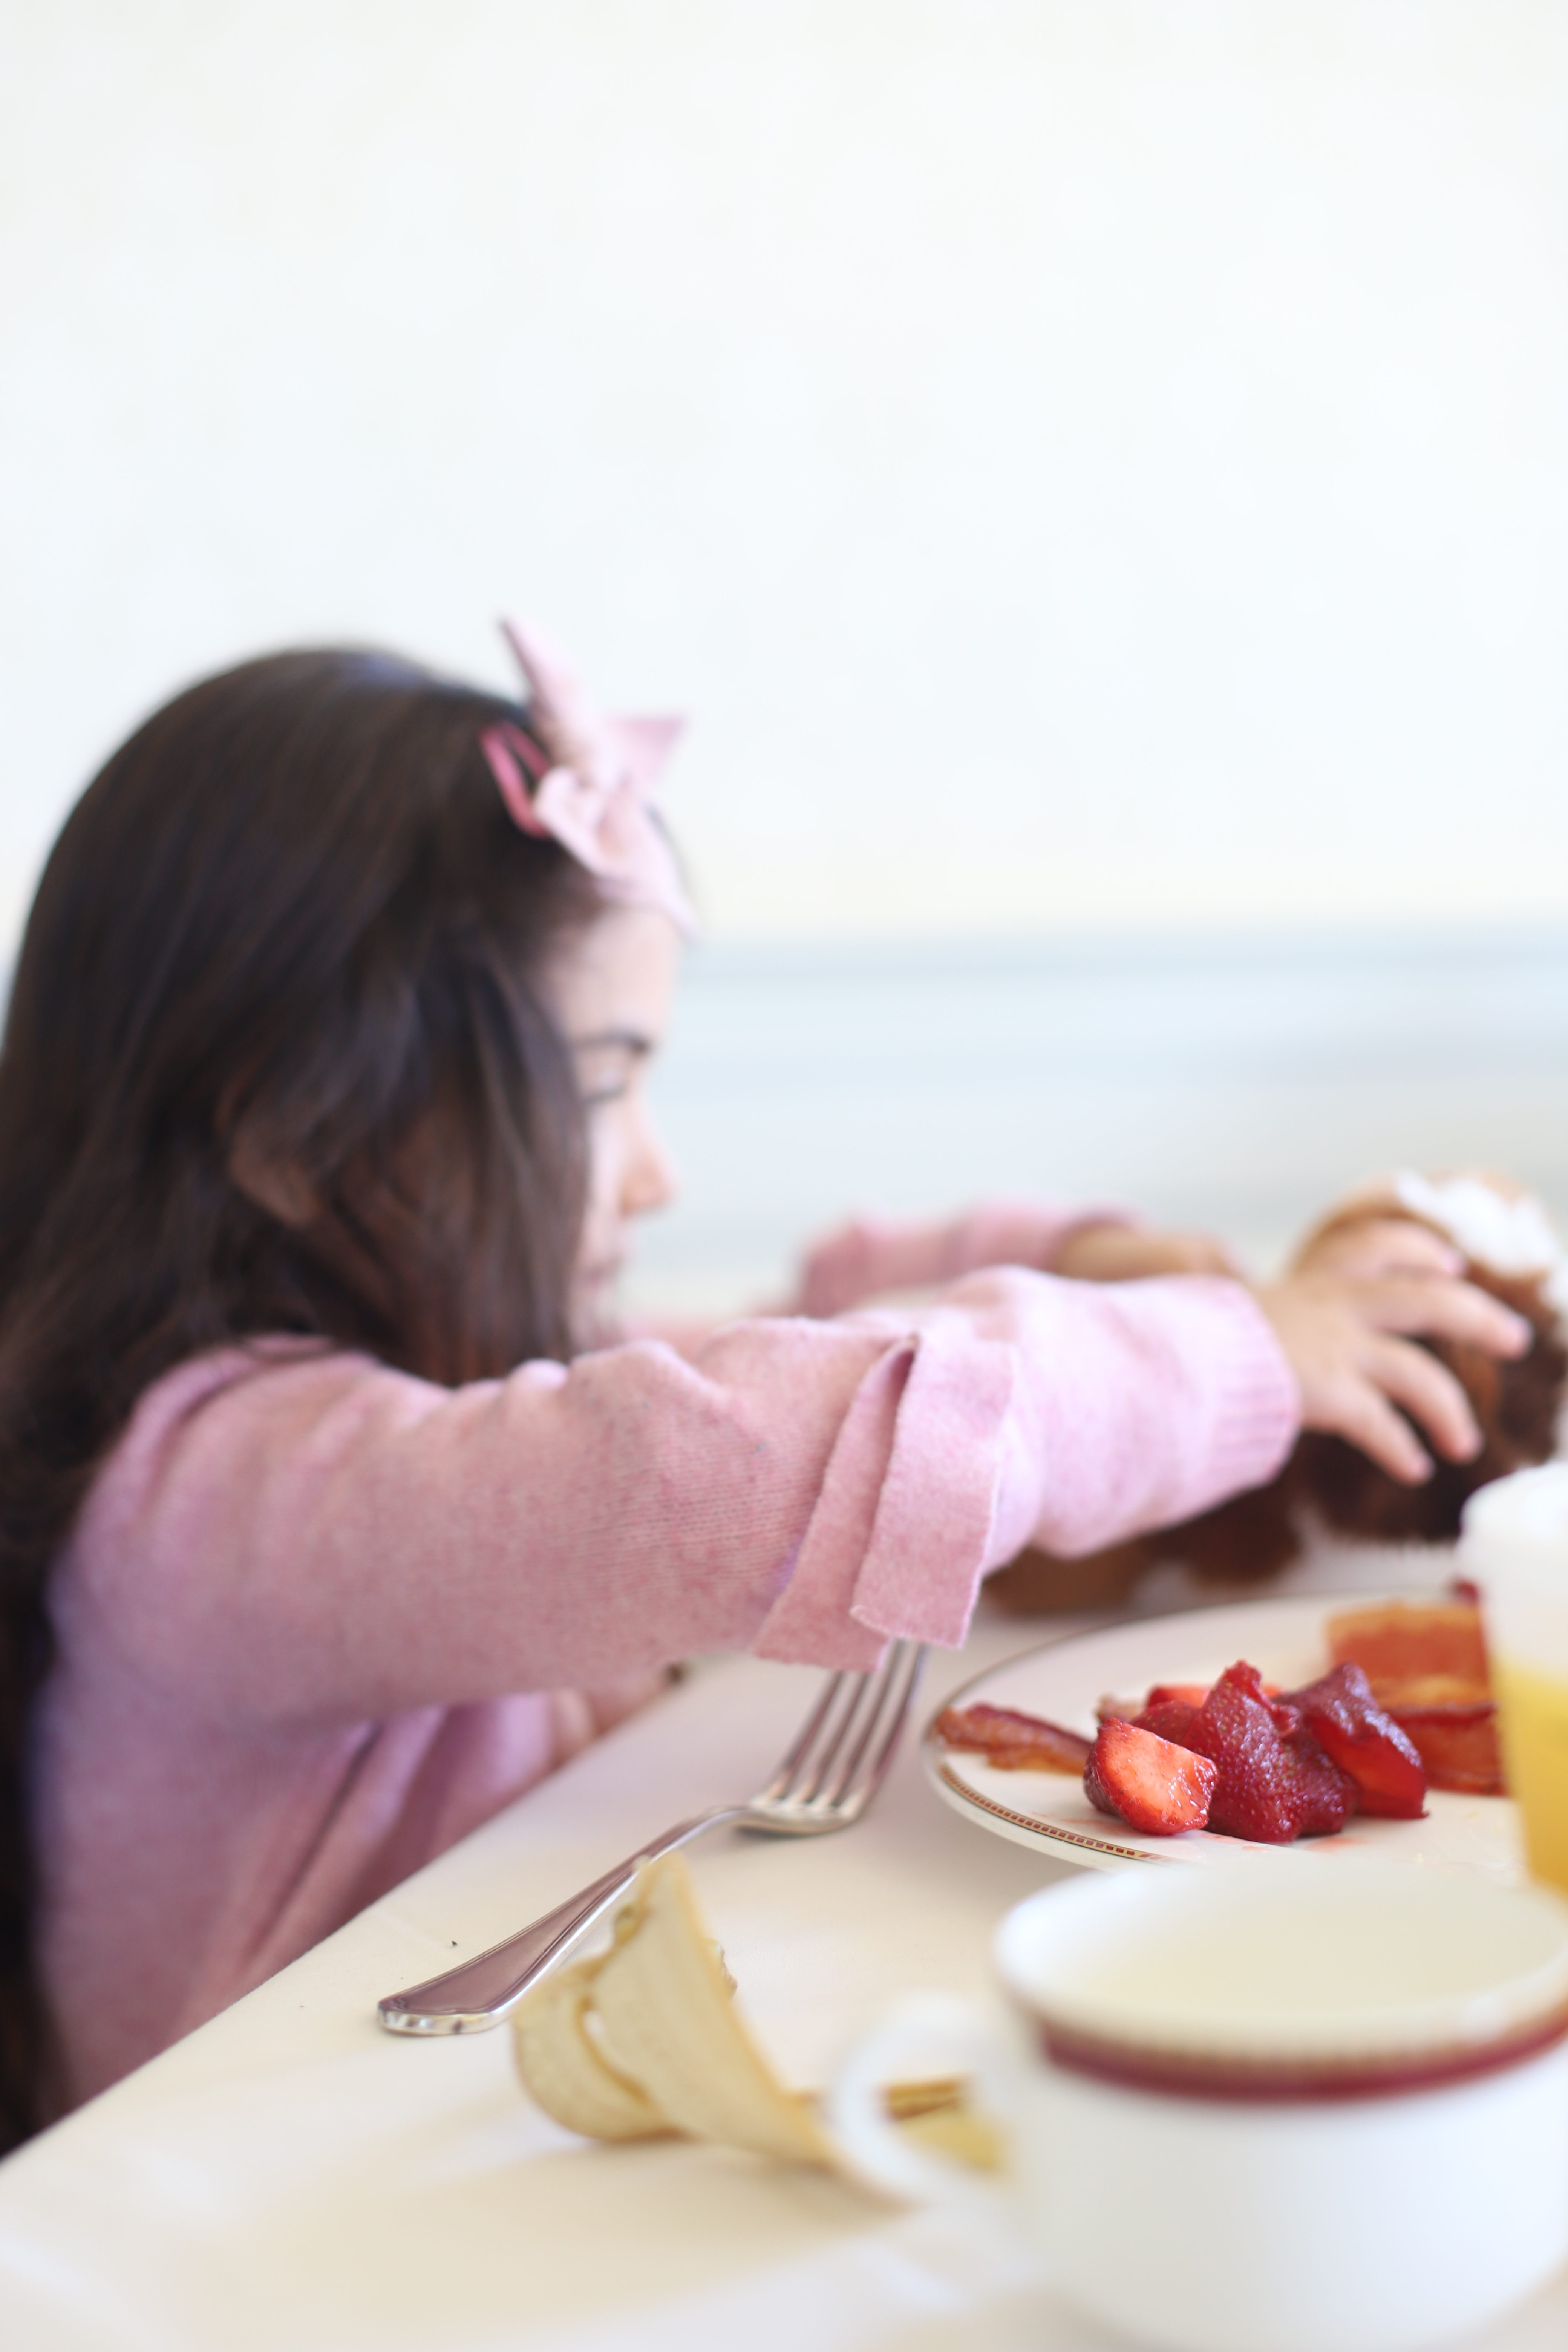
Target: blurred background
[(1095, 470)]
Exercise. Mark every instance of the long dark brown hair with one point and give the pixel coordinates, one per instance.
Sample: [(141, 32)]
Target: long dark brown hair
[(278, 1057)]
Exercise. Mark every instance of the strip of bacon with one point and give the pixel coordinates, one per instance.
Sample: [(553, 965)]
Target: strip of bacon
[(1401, 1640), (1452, 1724), (1011, 1741)]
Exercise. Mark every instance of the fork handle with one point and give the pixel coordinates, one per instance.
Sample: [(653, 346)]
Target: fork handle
[(478, 1993)]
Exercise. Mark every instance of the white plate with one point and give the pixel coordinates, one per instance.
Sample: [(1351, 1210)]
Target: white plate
[(1063, 1681)]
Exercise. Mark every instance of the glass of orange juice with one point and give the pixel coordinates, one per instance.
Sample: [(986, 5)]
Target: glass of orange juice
[(1515, 1545)]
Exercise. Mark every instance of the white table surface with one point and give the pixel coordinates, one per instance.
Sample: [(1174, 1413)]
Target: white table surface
[(291, 2175)]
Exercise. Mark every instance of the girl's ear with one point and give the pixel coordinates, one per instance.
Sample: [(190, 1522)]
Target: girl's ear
[(257, 1171)]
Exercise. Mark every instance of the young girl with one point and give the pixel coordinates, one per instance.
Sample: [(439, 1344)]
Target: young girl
[(322, 1534)]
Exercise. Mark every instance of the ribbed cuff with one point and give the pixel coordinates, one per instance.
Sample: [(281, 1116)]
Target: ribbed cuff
[(1258, 1399), (928, 1547), (898, 1540)]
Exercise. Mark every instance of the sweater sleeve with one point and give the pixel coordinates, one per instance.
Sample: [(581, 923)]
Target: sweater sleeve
[(313, 1537), (872, 1256)]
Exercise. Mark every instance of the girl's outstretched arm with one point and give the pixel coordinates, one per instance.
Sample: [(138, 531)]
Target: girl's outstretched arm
[(309, 1536), (872, 1256)]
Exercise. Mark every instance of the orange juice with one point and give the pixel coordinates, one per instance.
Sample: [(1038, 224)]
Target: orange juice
[(1533, 1710)]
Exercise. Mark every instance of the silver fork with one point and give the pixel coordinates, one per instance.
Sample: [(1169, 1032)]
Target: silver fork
[(825, 1782)]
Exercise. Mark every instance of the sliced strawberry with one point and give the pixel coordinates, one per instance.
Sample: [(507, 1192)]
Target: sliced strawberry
[(1275, 1782), (1193, 1694), (1011, 1741), (1151, 1782), (1168, 1717), (1345, 1719)]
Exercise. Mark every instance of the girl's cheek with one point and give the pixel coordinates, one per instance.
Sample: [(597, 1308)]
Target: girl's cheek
[(646, 1170), (604, 1161)]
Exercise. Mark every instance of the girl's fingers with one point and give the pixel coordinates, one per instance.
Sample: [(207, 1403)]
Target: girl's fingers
[(1385, 1246), (1349, 1344), (1360, 1412), (1396, 1246), (1444, 1310), (1429, 1393)]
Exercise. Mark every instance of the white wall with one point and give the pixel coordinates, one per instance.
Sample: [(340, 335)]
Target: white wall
[(1232, 1085), (1085, 462)]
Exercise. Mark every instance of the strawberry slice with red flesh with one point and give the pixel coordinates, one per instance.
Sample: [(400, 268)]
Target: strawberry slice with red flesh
[(1151, 1783), (1133, 1710), (1172, 1713), (1168, 1717), (1383, 1762), (1275, 1783)]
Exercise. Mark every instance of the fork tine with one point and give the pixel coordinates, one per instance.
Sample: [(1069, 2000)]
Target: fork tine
[(791, 1764), (828, 1770), (862, 1770), (842, 1766), (818, 1761), (909, 1683)]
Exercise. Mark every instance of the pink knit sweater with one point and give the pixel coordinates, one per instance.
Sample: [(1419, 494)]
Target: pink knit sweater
[(318, 1620)]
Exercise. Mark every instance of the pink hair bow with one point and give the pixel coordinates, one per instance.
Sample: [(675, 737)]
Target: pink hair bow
[(595, 794)]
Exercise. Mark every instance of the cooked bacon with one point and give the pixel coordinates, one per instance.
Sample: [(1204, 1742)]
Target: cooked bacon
[(1405, 1639), (1452, 1724), (1011, 1741), (1426, 1663)]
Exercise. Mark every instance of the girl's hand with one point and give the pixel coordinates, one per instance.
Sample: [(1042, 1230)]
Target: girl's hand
[(1339, 1329), (1130, 1254), (1368, 1247)]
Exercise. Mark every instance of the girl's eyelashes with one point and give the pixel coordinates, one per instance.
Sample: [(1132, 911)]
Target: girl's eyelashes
[(606, 1065)]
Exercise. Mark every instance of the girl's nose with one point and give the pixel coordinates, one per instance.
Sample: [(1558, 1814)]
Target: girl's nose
[(651, 1180)]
